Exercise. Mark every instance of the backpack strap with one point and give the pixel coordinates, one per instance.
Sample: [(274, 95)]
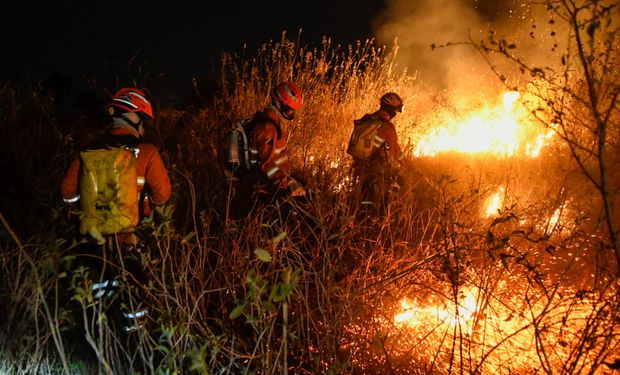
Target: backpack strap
[(111, 140)]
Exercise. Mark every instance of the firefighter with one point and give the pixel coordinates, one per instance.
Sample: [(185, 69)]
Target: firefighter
[(378, 175), (269, 176), (143, 180)]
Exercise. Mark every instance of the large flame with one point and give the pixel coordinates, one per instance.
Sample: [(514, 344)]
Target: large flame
[(504, 129), (495, 335)]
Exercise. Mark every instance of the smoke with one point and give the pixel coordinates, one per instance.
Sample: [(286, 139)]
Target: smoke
[(458, 70)]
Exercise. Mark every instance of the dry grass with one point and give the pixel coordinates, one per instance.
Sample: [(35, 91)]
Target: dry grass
[(322, 292)]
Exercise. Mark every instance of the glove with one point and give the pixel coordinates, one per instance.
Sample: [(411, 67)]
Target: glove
[(296, 189), (298, 192)]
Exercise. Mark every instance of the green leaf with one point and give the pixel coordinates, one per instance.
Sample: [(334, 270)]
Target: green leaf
[(256, 283), (238, 310), (263, 255), (188, 237), (281, 291), (162, 349), (270, 307), (279, 238)]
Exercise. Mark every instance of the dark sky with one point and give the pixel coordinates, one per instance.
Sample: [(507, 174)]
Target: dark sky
[(179, 40)]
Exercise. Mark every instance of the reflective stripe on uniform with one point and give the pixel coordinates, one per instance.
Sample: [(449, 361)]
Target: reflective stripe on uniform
[(101, 289), (281, 160), (367, 203), (254, 151), (137, 314), (140, 180), (277, 151), (272, 171), (71, 200), (132, 328), (378, 141)]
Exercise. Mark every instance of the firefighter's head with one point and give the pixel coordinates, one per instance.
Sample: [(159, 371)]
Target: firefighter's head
[(132, 106), (391, 103), (287, 98)]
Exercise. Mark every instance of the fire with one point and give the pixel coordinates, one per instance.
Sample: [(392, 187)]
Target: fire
[(497, 332), (504, 130), (559, 221), (453, 314), (494, 203)]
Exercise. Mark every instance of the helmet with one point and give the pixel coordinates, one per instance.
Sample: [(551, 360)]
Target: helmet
[(392, 100), (131, 100), (287, 97)]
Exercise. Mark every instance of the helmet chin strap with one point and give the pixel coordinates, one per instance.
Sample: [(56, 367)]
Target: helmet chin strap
[(390, 111), (276, 104), (275, 108), (130, 122), (125, 122)]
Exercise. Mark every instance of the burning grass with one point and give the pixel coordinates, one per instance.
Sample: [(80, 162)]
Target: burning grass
[(490, 262)]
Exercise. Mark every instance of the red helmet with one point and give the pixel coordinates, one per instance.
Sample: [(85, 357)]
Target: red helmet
[(392, 100), (287, 94), (131, 100)]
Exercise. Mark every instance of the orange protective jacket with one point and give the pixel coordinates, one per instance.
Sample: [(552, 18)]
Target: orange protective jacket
[(387, 138), (268, 150), (387, 157), (150, 172)]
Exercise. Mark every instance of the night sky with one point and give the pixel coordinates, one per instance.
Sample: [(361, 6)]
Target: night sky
[(66, 41)]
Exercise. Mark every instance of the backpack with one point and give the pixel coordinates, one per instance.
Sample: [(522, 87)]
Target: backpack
[(108, 190), (237, 140), (362, 141)]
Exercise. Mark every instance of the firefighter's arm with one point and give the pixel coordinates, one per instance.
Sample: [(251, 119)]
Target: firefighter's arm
[(265, 137), (69, 183), (157, 178), (273, 160), (394, 152)]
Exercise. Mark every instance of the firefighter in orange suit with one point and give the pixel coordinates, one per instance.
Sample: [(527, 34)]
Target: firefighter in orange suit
[(270, 174), (378, 176), (130, 111)]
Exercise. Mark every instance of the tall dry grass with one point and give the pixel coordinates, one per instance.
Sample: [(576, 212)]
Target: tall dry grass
[(307, 286)]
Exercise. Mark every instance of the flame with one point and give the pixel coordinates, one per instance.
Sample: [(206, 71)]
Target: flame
[(412, 315), (503, 130), (558, 221), (497, 330), (494, 203)]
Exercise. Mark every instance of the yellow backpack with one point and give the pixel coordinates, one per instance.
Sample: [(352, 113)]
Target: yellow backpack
[(108, 191), (362, 141)]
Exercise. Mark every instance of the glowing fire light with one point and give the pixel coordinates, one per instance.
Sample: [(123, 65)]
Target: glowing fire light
[(412, 315), (494, 203), (503, 130), (557, 221), (496, 332)]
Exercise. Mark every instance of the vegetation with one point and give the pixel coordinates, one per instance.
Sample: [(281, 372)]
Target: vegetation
[(437, 285)]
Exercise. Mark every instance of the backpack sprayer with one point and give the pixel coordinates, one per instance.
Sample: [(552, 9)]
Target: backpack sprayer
[(238, 146)]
